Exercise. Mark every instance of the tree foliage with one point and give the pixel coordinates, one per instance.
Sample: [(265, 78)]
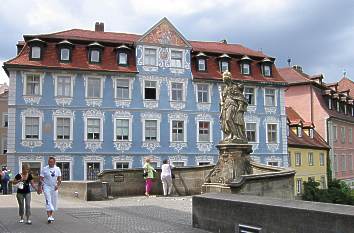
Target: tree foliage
[(338, 192)]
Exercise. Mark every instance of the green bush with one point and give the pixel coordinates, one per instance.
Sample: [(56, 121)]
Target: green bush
[(338, 192)]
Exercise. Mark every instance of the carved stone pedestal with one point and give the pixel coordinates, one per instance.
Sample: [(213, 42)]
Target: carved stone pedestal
[(234, 161)]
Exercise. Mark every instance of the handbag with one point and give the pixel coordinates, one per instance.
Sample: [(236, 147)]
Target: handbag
[(145, 174)]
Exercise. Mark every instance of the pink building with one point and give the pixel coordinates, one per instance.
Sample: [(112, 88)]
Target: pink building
[(331, 110)]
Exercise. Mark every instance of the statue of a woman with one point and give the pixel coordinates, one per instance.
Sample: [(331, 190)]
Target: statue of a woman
[(233, 105)]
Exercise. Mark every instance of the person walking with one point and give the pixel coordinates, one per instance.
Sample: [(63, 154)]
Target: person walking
[(5, 178), (166, 177), (148, 175), (23, 181), (50, 181)]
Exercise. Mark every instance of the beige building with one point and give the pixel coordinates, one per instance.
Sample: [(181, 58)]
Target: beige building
[(4, 122)]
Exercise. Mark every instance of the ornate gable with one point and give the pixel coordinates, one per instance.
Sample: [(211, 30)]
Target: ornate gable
[(164, 33)]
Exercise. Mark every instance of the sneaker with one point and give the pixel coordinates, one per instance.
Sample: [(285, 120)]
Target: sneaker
[(21, 221), (52, 218), (29, 222), (49, 220)]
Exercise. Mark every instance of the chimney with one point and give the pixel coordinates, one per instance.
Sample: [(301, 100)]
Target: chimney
[(298, 68), (97, 27), (223, 41), (19, 46)]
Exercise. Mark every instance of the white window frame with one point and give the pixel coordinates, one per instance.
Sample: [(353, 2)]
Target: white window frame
[(41, 75), (330, 103), (21, 162), (342, 134), (130, 124), (157, 90), (40, 52), (24, 128), (298, 159), (263, 70), (210, 131), (101, 88), (298, 185), (275, 97), (254, 95), (3, 119), (156, 58), (337, 106), (177, 161), (322, 159), (92, 159), (3, 144), (209, 93), (269, 163), (221, 66), (119, 58), (277, 132), (101, 129), (249, 68), (183, 92), (299, 131), (310, 159), (344, 163), (115, 164), (61, 54), (182, 60), (350, 135), (66, 159), (184, 130), (99, 55), (71, 128), (311, 133), (257, 133), (204, 60), (129, 87), (335, 133), (56, 76), (158, 129)]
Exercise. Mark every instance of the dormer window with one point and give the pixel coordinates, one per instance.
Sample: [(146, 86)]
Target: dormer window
[(36, 52), (95, 56), (122, 55), (267, 67), (64, 54), (224, 66), (245, 65), (311, 133), (201, 64), (64, 51), (329, 103), (224, 63), (245, 69), (123, 58), (95, 52), (299, 131), (36, 49)]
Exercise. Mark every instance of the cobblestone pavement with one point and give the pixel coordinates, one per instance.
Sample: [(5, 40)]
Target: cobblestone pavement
[(128, 214)]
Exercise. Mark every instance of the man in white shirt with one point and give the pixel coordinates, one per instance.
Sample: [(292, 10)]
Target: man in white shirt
[(50, 180)]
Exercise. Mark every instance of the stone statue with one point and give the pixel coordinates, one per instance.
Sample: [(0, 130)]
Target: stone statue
[(233, 105)]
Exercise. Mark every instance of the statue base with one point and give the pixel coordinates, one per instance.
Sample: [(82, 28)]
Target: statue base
[(234, 161), (215, 188)]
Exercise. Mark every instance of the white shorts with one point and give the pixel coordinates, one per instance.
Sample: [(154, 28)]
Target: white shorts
[(51, 199)]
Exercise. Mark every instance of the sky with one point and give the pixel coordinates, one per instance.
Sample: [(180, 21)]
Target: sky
[(317, 35)]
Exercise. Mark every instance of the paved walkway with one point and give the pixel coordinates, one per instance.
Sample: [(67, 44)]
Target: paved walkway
[(129, 214)]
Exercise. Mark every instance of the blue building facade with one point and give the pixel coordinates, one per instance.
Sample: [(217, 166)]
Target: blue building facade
[(107, 100)]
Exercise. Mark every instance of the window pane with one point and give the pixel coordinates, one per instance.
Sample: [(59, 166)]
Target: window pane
[(251, 132), (177, 91), (176, 59), (150, 57), (36, 52), (272, 133), (203, 93), (123, 58), (245, 68), (204, 135), (150, 90), (64, 54), (33, 84), (177, 131), (64, 86), (201, 65), (122, 129), (249, 95), (94, 88), (224, 66), (266, 70), (151, 130), (95, 55), (269, 97), (122, 89)]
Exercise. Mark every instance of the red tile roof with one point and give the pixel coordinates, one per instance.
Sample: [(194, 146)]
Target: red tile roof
[(346, 84), (80, 60), (292, 76), (304, 141)]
